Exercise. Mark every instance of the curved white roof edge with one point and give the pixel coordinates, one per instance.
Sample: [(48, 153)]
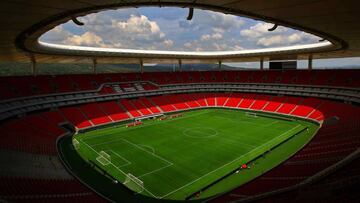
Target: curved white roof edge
[(68, 49)]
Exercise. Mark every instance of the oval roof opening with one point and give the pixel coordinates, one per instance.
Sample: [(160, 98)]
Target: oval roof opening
[(167, 29)]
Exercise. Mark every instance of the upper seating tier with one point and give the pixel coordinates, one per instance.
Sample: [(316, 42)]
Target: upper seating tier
[(23, 86)]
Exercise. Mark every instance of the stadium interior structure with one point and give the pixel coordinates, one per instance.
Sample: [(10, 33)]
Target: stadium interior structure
[(38, 110)]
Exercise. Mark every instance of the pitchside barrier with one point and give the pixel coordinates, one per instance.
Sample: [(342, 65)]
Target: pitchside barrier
[(176, 115), (147, 117)]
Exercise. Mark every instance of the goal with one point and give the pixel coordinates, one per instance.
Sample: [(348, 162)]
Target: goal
[(134, 183), (76, 144), (252, 114), (103, 158)]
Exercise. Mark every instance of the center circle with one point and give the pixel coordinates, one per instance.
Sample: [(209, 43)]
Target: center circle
[(200, 132)]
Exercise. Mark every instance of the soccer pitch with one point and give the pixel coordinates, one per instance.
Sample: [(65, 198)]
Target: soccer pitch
[(176, 158)]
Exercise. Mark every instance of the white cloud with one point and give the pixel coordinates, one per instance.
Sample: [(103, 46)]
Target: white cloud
[(207, 20), (168, 43), (214, 36), (137, 25), (267, 41), (260, 30), (57, 34), (133, 31), (188, 45), (86, 39), (295, 38), (207, 31), (218, 30)]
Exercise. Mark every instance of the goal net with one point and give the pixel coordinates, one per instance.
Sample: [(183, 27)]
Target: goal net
[(76, 144), (252, 114), (134, 183), (103, 158)]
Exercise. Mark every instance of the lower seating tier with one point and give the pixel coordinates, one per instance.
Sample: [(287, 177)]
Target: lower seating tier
[(39, 132)]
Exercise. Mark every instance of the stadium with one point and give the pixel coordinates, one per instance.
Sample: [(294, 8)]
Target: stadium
[(180, 101)]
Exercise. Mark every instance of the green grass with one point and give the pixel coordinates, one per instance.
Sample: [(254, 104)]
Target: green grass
[(178, 157)]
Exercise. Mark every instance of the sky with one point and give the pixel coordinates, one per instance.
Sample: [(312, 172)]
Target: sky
[(166, 28)]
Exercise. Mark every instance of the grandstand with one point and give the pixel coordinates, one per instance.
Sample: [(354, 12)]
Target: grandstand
[(309, 118)]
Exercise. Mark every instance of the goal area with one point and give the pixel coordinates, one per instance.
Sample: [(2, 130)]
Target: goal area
[(104, 158), (134, 183)]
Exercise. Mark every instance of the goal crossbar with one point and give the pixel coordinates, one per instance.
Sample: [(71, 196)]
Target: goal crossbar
[(251, 114), (134, 183)]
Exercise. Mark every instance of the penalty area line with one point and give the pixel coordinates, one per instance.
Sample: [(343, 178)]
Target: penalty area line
[(121, 157), (118, 169)]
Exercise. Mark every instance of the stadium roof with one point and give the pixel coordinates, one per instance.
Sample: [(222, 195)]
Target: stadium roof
[(23, 22)]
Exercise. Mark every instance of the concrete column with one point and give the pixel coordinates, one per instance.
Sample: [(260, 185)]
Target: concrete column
[(180, 65), (141, 66), (261, 64), (94, 63), (310, 61), (33, 65)]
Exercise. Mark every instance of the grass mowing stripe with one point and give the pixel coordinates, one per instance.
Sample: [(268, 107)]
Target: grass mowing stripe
[(181, 160), (253, 150), (156, 170)]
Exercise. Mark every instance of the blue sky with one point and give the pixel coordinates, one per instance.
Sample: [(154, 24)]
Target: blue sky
[(166, 28)]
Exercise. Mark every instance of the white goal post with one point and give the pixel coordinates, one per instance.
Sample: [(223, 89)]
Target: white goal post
[(104, 158), (253, 114), (134, 183)]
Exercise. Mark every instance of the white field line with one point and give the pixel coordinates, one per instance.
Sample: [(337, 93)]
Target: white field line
[(157, 156), (145, 174), (153, 171), (270, 124), (149, 147), (237, 142), (172, 163), (119, 169), (121, 157), (226, 164), (153, 154)]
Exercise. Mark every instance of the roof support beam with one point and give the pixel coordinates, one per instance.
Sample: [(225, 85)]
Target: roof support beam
[(273, 28), (191, 13), (94, 65), (77, 22)]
